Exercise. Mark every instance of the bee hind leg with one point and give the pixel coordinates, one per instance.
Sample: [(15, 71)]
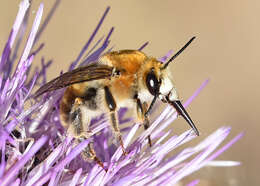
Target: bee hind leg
[(79, 120), (89, 154), (79, 129)]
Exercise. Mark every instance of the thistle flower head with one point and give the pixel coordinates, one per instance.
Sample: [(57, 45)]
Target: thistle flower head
[(35, 149)]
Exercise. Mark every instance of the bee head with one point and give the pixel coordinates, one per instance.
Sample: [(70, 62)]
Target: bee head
[(160, 85)]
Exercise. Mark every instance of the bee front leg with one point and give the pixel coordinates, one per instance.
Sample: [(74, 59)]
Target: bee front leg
[(111, 104), (141, 110)]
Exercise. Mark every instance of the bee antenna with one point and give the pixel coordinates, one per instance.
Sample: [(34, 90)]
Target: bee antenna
[(179, 52)]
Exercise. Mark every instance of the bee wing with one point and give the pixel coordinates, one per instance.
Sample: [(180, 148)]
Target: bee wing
[(87, 73)]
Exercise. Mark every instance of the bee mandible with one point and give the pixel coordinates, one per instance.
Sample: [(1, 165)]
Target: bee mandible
[(125, 78)]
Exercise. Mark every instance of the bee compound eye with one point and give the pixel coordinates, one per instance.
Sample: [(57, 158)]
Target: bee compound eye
[(152, 83)]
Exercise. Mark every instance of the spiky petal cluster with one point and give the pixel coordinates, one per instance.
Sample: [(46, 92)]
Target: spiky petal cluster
[(34, 146)]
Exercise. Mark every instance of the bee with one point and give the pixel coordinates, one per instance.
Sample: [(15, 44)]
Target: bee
[(125, 78)]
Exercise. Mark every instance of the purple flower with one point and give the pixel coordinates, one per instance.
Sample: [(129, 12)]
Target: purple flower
[(34, 146)]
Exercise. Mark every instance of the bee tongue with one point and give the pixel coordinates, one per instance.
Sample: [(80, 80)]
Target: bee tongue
[(181, 110)]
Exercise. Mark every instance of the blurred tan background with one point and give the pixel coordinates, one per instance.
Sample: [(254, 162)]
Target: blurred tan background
[(226, 51)]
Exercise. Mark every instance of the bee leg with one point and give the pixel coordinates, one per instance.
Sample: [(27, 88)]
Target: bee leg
[(111, 104), (116, 130), (80, 130), (79, 120), (89, 154), (141, 110)]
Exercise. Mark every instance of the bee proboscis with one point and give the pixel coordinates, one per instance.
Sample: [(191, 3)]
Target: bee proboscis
[(125, 78)]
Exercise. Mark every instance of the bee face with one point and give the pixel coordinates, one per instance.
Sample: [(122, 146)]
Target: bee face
[(158, 81), (159, 84)]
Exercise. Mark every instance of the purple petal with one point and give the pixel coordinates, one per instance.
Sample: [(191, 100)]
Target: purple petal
[(24, 5), (143, 46), (73, 65), (47, 20), (164, 58), (32, 36), (12, 172), (76, 177), (225, 147), (16, 182), (71, 155), (193, 183)]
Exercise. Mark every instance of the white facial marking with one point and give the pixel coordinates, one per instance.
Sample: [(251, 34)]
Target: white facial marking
[(145, 95), (167, 89), (173, 95), (166, 86)]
